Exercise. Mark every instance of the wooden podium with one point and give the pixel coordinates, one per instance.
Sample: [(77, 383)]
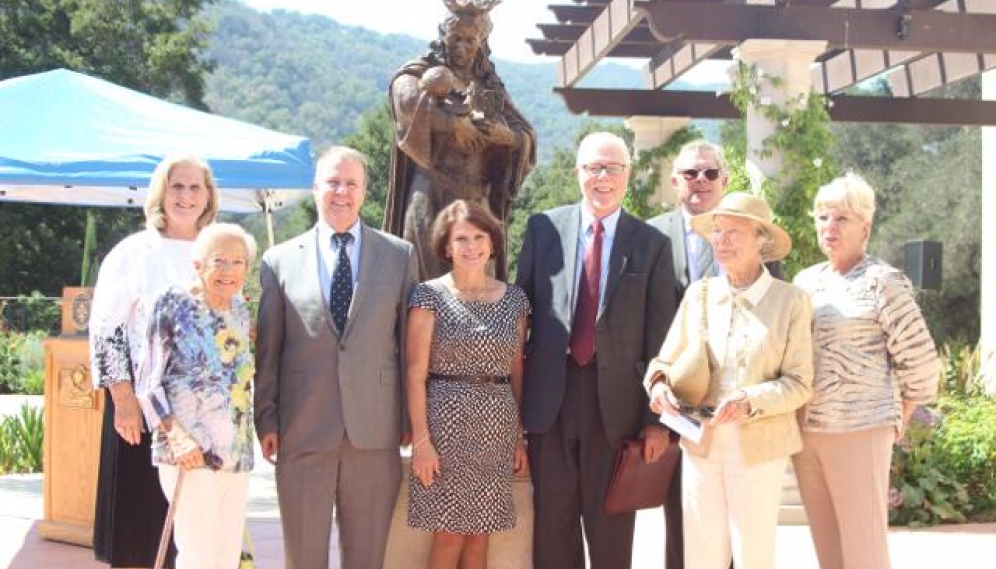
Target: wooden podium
[(73, 417)]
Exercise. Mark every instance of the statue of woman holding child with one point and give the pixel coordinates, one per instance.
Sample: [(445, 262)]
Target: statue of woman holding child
[(457, 134)]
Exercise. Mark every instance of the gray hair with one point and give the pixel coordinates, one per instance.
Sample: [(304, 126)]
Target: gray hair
[(701, 146), (216, 232), (767, 242), (341, 153), (850, 192), (599, 138)]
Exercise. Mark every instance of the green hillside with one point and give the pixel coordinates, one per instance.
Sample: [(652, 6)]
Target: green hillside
[(309, 75)]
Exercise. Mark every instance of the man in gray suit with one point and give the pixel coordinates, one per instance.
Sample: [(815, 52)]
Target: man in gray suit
[(699, 177), (329, 400), (602, 288)]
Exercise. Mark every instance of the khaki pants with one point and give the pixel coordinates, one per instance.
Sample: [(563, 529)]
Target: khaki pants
[(210, 516), (844, 482), (730, 508)]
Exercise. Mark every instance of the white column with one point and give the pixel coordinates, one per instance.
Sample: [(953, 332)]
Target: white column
[(651, 132), (789, 60), (987, 304)]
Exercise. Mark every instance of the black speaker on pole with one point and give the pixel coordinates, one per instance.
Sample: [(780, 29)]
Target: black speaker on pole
[(923, 263)]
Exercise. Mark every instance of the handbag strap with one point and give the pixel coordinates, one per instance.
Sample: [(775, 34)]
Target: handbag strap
[(703, 296)]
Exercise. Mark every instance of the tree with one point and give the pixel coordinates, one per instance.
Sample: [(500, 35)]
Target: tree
[(154, 47), (374, 138)]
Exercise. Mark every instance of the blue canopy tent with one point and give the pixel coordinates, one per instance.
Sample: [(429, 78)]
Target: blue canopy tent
[(73, 139)]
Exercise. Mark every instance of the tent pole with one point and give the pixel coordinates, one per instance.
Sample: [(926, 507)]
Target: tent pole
[(269, 216)]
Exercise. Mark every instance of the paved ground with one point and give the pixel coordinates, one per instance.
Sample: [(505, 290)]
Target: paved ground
[(956, 547)]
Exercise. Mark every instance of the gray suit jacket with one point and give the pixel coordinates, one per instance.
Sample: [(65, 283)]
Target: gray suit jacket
[(672, 224), (313, 385), (639, 302)]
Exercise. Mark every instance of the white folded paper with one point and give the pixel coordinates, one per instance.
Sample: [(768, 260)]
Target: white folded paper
[(684, 425)]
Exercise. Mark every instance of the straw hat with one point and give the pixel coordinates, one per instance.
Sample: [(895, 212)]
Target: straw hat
[(749, 206)]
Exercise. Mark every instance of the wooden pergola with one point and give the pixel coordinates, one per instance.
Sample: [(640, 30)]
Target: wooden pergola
[(915, 45)]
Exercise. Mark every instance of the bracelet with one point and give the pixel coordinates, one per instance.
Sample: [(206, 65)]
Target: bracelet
[(420, 442)]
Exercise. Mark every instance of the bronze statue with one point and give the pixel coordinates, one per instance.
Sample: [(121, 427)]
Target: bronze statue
[(457, 134)]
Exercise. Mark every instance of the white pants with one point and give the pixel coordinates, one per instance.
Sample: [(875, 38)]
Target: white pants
[(210, 516), (731, 508)]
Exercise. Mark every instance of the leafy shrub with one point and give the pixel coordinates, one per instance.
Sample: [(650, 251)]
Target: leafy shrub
[(945, 470), (34, 312), (22, 363), (923, 491), (21, 438), (10, 361), (32, 382), (967, 442)]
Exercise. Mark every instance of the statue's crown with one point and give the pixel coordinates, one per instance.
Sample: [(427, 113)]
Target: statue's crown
[(472, 7)]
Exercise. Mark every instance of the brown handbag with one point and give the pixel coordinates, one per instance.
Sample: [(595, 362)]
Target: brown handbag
[(691, 372), (636, 484)]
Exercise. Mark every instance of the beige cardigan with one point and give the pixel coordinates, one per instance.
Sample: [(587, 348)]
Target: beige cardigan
[(777, 368)]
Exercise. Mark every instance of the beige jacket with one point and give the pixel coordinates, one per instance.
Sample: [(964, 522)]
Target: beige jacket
[(776, 370)]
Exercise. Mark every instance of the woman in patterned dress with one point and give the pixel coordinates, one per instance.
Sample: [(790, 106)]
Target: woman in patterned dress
[(194, 388), (464, 345), (875, 363), (130, 506)]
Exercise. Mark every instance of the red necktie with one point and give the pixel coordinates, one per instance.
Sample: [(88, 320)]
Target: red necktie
[(583, 327)]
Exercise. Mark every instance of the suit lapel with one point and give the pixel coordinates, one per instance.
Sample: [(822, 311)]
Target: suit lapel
[(311, 266), (568, 228), (370, 251), (622, 245), (681, 247)]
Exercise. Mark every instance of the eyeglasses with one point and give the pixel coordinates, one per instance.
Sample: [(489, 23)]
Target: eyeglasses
[(610, 169), (219, 263), (692, 174)]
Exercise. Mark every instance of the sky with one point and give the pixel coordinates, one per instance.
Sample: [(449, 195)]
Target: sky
[(514, 20)]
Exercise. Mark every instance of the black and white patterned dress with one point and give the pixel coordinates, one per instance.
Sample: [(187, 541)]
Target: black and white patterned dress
[(472, 423)]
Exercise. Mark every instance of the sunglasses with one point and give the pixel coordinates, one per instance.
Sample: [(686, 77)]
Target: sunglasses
[(610, 169), (692, 174), (697, 414)]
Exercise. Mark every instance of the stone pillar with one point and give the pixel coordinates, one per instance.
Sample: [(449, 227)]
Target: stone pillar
[(651, 132), (788, 60), (987, 305)]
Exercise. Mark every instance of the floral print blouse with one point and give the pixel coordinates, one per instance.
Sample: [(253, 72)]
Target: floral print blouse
[(198, 368)]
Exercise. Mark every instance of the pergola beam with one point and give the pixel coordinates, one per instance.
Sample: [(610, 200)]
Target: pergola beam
[(559, 49), (845, 28), (845, 108), (605, 33)]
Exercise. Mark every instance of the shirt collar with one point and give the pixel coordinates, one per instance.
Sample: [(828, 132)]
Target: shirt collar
[(609, 222), (686, 218), (325, 232), (754, 293)]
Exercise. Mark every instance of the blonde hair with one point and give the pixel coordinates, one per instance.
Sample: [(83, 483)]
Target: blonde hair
[(850, 192), (216, 232), (155, 214)]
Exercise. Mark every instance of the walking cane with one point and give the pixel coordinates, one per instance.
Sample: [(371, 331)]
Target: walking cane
[(168, 524)]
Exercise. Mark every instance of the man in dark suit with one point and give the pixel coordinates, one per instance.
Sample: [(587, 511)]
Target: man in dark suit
[(602, 288), (329, 401)]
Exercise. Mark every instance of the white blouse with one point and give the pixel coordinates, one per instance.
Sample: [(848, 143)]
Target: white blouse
[(132, 276)]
